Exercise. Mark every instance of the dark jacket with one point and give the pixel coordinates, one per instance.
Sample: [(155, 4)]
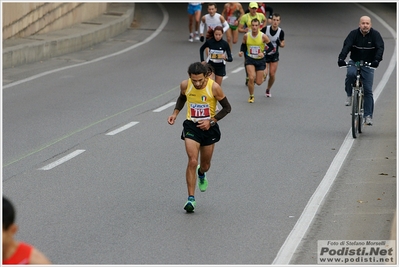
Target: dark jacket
[(367, 48), (221, 45)]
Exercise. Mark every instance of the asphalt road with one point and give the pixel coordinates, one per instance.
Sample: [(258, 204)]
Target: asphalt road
[(120, 199)]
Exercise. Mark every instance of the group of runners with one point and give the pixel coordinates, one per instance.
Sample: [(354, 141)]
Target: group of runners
[(260, 47), (260, 44), (202, 90)]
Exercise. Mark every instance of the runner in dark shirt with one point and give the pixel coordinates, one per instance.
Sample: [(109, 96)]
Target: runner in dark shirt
[(219, 53)]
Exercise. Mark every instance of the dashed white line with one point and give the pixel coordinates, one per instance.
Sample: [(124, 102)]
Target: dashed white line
[(127, 126), (237, 70), (62, 160), (164, 107)]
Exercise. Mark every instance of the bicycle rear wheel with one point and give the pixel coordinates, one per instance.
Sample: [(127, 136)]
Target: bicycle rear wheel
[(355, 114)]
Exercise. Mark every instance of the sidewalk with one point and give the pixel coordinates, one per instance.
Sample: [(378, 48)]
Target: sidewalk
[(116, 20), (362, 202)]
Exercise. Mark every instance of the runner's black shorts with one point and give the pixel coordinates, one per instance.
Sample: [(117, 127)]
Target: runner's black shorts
[(219, 68), (260, 64), (272, 58), (204, 138)]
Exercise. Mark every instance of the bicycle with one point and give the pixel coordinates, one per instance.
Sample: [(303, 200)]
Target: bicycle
[(358, 99)]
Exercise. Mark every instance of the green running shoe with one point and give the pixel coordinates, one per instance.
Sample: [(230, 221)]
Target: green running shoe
[(202, 181), (190, 204)]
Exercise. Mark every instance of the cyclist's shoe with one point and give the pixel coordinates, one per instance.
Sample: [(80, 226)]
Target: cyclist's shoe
[(202, 181), (368, 120), (246, 81), (348, 101), (190, 204), (251, 99), (268, 94)]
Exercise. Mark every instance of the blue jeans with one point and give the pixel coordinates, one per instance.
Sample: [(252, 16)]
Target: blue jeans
[(367, 78)]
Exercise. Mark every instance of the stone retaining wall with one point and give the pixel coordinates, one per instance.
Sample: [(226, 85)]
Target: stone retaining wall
[(26, 19)]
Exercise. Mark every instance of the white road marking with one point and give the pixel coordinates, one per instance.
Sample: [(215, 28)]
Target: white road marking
[(127, 126), (164, 107), (62, 160), (301, 227), (237, 70), (148, 39)]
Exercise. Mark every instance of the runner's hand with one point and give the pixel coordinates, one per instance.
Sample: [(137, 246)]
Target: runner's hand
[(204, 125), (171, 119)]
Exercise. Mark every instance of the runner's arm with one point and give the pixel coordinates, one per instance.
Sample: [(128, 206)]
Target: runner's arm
[(263, 20), (242, 12), (270, 10), (228, 53), (281, 39), (241, 24), (224, 12), (202, 26), (222, 99), (181, 100), (226, 109), (225, 24), (202, 49), (269, 44), (37, 257), (243, 48)]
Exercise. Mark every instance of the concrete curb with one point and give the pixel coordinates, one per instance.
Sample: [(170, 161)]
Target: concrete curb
[(35, 48)]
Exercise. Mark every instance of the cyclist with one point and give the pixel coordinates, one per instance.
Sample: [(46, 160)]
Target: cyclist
[(364, 44)]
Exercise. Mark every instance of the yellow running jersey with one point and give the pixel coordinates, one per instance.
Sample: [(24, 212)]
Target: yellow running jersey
[(201, 104), (247, 19), (255, 45)]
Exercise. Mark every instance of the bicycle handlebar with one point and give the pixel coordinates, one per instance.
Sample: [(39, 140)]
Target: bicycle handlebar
[(359, 64)]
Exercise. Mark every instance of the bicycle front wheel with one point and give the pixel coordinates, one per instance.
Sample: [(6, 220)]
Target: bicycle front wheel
[(361, 114), (355, 114)]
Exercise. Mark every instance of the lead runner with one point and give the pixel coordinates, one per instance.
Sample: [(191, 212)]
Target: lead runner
[(200, 129)]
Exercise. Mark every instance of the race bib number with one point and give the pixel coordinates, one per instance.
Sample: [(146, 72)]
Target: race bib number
[(231, 20), (216, 54), (199, 112), (254, 51)]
